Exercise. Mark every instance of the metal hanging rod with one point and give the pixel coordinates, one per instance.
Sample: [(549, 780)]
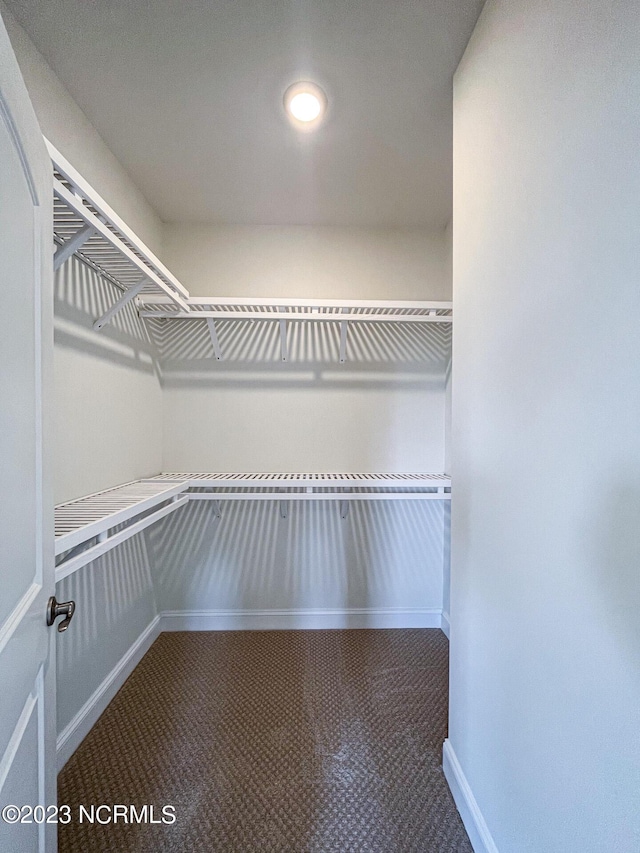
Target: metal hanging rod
[(343, 311), (300, 316), (293, 302), (439, 495)]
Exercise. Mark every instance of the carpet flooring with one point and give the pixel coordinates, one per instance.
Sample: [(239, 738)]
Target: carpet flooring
[(284, 741)]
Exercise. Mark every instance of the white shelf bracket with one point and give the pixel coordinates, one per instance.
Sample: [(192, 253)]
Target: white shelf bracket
[(126, 297), (344, 507), (283, 336), (71, 246), (218, 509), (214, 338), (284, 509), (344, 328)]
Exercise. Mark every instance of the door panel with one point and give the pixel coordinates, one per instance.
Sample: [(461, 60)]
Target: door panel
[(27, 647), (24, 780), (17, 411)]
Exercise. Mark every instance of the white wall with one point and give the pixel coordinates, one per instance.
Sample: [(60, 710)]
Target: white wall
[(115, 603), (384, 558), (448, 376), (293, 420), (305, 261), (107, 389), (107, 431), (108, 398), (384, 410), (545, 646)]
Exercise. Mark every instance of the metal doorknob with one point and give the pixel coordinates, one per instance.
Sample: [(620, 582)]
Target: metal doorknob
[(60, 608)]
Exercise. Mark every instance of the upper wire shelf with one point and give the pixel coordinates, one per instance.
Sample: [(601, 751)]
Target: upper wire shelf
[(299, 310), (85, 225), (343, 312)]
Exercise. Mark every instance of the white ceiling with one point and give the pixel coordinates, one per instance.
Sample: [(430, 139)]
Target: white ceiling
[(188, 95)]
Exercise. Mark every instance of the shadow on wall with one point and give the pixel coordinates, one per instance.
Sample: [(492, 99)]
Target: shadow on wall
[(81, 295), (114, 603), (612, 537), (382, 555), (185, 344)]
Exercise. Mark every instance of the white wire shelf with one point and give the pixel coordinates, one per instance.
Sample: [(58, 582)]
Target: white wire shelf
[(283, 311), (285, 487), (299, 310), (411, 482), (86, 517), (84, 225), (88, 527)]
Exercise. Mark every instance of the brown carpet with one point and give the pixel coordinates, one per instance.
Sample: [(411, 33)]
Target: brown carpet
[(274, 741)]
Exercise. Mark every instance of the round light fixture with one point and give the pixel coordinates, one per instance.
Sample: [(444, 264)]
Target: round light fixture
[(305, 104)]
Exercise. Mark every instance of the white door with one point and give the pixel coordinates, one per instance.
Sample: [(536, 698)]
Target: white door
[(27, 661)]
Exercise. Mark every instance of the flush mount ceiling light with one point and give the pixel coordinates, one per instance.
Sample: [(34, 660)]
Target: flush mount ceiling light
[(305, 105)]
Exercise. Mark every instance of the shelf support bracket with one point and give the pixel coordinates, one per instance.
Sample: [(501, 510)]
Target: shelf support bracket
[(284, 509), (283, 336), (344, 327), (71, 246), (214, 338), (344, 507), (218, 511), (126, 297)]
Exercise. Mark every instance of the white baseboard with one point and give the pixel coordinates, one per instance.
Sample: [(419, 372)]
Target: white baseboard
[(474, 822), (75, 731), (263, 620), (446, 624)]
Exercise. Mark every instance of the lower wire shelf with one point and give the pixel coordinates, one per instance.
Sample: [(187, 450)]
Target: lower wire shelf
[(88, 527)]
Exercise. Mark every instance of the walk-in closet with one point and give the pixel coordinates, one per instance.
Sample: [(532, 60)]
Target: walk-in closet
[(317, 414)]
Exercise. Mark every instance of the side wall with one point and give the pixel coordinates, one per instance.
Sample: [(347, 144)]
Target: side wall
[(545, 647), (107, 389), (446, 568), (108, 416), (108, 396), (108, 431), (384, 410)]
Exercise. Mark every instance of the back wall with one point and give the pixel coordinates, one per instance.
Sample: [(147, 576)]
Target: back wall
[(382, 410)]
